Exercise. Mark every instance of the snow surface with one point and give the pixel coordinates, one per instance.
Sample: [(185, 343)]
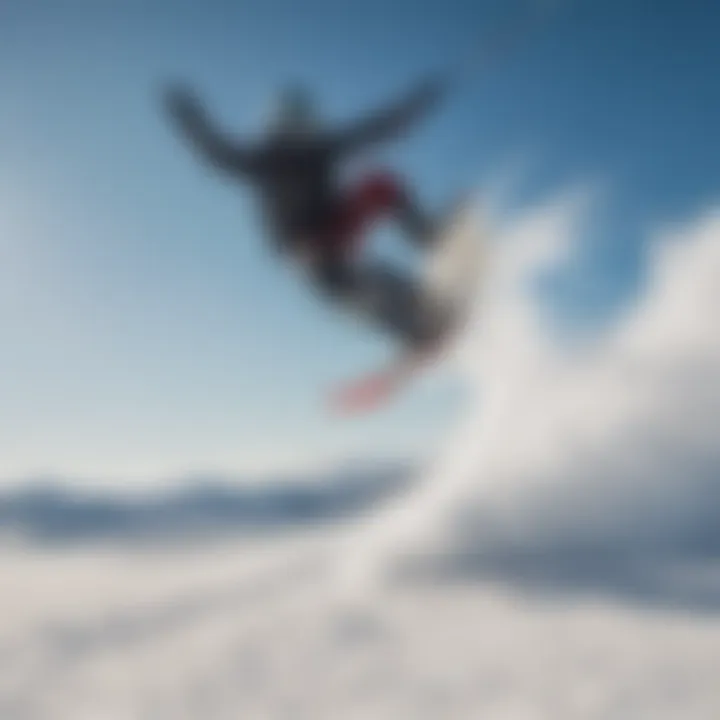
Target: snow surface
[(558, 560)]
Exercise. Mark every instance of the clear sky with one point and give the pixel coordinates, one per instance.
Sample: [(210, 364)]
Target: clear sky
[(144, 328)]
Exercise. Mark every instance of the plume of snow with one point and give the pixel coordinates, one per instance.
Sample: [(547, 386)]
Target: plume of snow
[(615, 445)]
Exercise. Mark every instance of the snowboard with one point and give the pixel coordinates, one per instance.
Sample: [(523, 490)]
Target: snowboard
[(451, 274)]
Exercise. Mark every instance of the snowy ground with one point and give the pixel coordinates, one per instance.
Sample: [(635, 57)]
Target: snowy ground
[(559, 560), (248, 632)]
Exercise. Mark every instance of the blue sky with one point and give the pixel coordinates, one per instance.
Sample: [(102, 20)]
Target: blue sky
[(146, 331)]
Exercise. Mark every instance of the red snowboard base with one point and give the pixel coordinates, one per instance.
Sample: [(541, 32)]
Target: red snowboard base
[(375, 389)]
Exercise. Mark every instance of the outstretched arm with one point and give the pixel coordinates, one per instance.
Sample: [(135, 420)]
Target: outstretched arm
[(393, 121), (191, 119)]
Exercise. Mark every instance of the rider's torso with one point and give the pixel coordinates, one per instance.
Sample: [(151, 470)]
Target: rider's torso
[(297, 187)]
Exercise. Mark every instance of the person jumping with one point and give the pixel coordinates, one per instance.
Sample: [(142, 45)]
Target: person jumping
[(317, 220)]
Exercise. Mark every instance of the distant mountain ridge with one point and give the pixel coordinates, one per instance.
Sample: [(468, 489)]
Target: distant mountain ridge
[(52, 510)]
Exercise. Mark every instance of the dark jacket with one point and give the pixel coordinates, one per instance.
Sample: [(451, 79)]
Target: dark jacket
[(295, 177)]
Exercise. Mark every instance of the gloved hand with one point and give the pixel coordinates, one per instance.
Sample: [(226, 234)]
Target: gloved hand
[(432, 89), (181, 104)]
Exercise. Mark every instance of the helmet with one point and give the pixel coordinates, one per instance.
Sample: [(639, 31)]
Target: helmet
[(293, 112)]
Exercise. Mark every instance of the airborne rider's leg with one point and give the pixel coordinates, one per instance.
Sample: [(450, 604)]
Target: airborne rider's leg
[(388, 299), (383, 194)]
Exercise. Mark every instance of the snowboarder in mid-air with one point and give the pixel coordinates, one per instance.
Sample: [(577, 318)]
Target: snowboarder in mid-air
[(317, 220)]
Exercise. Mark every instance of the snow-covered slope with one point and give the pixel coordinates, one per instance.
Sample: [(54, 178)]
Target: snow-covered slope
[(557, 560)]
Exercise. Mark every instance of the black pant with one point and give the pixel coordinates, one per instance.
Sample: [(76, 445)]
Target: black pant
[(388, 299)]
